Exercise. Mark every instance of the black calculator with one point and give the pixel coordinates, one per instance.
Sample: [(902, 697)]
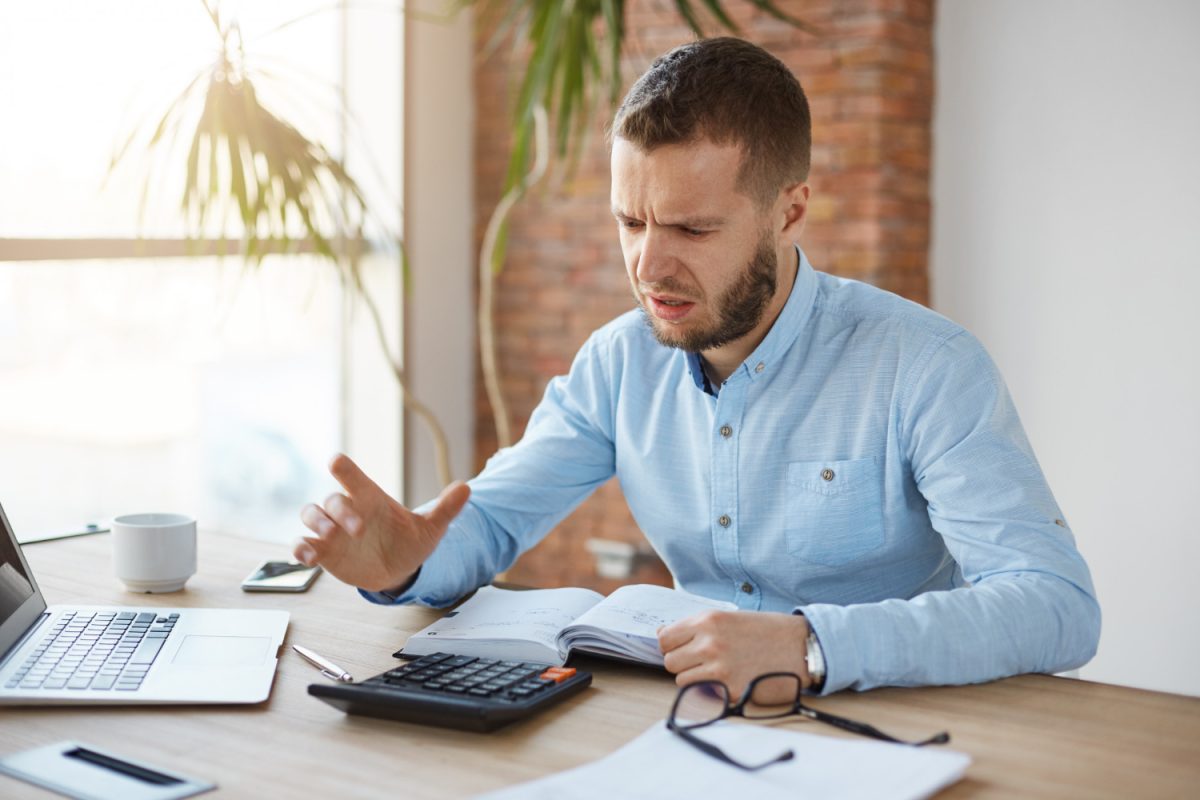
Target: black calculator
[(475, 694)]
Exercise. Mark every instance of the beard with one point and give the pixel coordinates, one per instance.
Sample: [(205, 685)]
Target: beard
[(737, 311)]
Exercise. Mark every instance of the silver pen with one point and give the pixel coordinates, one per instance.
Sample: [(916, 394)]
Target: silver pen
[(328, 668)]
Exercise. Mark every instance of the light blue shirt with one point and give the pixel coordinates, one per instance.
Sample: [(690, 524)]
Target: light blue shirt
[(864, 466)]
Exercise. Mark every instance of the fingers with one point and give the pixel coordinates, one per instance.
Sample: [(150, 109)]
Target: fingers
[(677, 642), (351, 477), (677, 635), (449, 503), (337, 517), (341, 510), (364, 537), (680, 632), (316, 520), (306, 553), (682, 659), (696, 674), (313, 550), (696, 648)]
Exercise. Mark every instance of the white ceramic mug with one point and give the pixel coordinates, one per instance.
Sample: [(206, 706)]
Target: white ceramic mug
[(154, 552)]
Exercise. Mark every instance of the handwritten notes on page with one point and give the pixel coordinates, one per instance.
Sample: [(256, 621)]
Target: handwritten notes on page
[(545, 625), (626, 622)]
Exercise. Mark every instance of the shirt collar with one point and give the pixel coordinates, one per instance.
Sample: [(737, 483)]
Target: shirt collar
[(787, 325), (696, 370), (779, 338)]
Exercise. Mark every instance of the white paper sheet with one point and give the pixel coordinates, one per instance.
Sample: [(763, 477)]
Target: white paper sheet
[(658, 765)]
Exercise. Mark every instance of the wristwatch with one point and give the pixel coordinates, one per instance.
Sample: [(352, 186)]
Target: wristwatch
[(814, 659)]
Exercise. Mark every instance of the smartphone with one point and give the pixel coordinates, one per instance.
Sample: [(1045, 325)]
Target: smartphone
[(280, 576)]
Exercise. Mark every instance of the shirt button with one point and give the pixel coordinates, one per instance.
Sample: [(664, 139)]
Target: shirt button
[(827, 474), (1060, 523), (724, 521), (747, 588), (759, 367), (726, 431)]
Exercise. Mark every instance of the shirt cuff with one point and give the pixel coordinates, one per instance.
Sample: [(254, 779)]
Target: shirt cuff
[(824, 655), (838, 654), (394, 596)]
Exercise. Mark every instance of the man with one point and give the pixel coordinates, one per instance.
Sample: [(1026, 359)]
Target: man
[(845, 463)]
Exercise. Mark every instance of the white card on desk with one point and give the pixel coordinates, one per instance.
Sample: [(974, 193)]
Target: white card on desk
[(659, 765), (90, 773)]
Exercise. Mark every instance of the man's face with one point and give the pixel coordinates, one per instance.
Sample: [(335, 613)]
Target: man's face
[(700, 254)]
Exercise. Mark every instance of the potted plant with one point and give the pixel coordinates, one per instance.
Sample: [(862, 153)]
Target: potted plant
[(574, 67), (244, 157)]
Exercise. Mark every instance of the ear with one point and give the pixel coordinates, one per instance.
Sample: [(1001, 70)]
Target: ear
[(792, 212)]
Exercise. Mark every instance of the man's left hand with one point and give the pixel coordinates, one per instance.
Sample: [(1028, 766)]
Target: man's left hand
[(735, 647)]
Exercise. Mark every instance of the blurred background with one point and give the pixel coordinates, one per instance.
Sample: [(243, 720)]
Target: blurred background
[(1027, 168)]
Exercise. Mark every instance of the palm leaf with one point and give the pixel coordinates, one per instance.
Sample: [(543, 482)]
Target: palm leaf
[(684, 7), (770, 8), (717, 10), (565, 65)]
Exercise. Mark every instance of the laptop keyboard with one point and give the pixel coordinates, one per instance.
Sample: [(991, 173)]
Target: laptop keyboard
[(105, 651)]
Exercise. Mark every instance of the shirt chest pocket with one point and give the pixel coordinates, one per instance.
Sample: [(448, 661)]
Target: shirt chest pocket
[(834, 510)]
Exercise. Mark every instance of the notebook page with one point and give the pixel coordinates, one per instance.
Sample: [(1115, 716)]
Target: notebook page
[(504, 615), (630, 617)]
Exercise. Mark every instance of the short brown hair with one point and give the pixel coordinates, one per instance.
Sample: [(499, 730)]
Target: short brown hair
[(727, 91)]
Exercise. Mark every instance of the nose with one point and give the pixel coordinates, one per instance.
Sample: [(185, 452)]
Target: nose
[(655, 260)]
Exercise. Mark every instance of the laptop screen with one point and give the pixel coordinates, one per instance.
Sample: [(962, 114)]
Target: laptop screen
[(20, 601), (15, 587)]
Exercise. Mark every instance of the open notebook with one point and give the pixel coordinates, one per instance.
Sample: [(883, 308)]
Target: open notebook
[(546, 625)]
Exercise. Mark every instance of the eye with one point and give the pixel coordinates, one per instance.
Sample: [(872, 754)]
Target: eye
[(630, 224), (694, 232)]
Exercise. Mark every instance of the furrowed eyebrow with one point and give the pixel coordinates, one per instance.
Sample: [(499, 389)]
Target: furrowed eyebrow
[(699, 223)]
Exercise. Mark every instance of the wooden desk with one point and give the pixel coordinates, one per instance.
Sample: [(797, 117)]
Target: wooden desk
[(1031, 736)]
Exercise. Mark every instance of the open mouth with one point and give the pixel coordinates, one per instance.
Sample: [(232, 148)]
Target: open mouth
[(669, 309)]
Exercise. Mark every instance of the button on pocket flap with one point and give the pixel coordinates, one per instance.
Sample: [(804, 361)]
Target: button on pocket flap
[(833, 477)]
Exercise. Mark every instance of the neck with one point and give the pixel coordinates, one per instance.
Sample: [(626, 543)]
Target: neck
[(720, 362)]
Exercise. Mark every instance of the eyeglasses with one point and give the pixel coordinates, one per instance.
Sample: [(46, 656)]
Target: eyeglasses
[(706, 702)]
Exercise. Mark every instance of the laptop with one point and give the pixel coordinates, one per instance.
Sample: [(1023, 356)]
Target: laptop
[(82, 655)]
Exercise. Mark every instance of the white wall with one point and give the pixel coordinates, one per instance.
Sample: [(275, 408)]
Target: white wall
[(439, 224), (425, 157), (1067, 237)]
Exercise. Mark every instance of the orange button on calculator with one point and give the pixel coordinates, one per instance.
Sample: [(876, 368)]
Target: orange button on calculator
[(558, 674)]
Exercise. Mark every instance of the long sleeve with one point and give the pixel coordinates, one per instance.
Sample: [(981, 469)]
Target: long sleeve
[(1026, 603), (527, 489)]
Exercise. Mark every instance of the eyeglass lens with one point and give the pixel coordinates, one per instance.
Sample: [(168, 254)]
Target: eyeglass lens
[(701, 704), (772, 696)]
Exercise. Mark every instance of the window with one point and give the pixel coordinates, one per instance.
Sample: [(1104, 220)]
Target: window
[(136, 375)]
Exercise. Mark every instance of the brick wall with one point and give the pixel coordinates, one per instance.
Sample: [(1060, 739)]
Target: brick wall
[(869, 82)]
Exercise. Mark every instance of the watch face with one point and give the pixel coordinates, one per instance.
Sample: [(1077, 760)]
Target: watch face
[(814, 660)]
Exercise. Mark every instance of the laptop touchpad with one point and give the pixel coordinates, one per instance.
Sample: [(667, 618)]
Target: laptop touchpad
[(222, 651)]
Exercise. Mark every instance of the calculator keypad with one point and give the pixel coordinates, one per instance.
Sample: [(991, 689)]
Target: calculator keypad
[(476, 677), (479, 694)]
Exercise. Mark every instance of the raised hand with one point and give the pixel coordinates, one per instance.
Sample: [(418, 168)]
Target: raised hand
[(369, 540)]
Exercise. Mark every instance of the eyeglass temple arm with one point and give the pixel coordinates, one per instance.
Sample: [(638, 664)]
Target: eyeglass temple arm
[(867, 730), (721, 755)]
